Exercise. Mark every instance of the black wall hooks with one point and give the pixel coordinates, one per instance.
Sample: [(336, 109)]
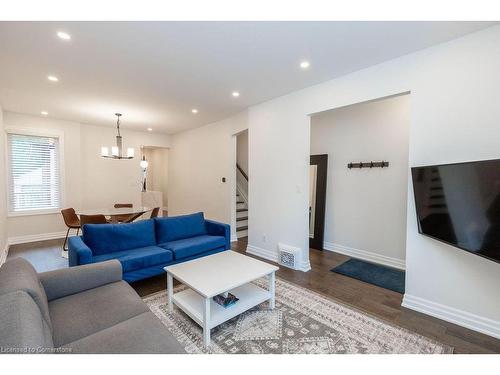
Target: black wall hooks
[(371, 164)]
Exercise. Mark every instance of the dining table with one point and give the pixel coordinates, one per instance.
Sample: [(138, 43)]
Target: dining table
[(114, 213)]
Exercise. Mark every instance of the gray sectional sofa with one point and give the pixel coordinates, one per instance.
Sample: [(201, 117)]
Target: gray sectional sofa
[(84, 309)]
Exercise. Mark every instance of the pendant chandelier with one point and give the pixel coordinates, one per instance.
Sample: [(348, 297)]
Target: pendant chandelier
[(117, 151)]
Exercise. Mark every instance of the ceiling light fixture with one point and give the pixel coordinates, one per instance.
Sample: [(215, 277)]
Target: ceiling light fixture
[(117, 151), (194, 110), (44, 113), (53, 78), (236, 94), (304, 64), (64, 36), (150, 129)]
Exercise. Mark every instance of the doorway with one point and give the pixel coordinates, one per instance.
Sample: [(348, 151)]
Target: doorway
[(241, 205), (365, 211), (155, 183), (317, 200)]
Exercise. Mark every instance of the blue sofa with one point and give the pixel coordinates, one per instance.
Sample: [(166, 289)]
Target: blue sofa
[(145, 247)]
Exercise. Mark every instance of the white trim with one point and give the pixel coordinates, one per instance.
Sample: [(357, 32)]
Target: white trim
[(450, 314), (37, 237), (263, 253), (365, 255), (234, 237), (4, 253), (305, 266), (47, 211)]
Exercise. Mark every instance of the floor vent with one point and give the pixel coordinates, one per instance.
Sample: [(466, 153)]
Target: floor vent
[(288, 256)]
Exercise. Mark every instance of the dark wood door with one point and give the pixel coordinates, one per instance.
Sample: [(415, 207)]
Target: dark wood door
[(317, 212)]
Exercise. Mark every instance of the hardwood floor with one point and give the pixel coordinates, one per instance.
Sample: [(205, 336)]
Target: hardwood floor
[(382, 303)]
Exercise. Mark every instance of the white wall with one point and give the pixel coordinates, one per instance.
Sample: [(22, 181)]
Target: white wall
[(106, 180), (89, 180), (198, 160), (366, 209), (454, 117), (3, 195)]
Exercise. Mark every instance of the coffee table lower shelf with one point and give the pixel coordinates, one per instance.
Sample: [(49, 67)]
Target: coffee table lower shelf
[(193, 304)]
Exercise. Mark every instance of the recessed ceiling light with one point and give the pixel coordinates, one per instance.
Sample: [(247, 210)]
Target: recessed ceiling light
[(63, 35), (53, 78), (150, 129), (304, 64), (194, 110), (236, 94), (44, 113)]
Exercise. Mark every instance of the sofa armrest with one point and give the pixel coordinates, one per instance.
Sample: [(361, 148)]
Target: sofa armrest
[(78, 252), (67, 281), (215, 228)]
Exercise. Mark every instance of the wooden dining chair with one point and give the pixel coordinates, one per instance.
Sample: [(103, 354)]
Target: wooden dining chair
[(72, 222), (155, 212), (93, 219)]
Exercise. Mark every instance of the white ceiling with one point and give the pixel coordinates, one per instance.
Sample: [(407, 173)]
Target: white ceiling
[(156, 72)]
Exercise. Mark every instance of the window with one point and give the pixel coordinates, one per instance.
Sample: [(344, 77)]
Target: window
[(34, 178)]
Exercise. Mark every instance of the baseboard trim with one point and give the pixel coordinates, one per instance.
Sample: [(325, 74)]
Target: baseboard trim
[(4, 253), (462, 318), (365, 255), (262, 253), (273, 257), (37, 237), (305, 266), (234, 237)]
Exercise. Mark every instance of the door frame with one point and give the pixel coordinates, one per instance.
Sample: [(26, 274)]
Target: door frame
[(321, 161)]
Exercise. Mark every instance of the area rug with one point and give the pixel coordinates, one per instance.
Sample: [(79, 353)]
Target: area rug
[(302, 322), (385, 277)]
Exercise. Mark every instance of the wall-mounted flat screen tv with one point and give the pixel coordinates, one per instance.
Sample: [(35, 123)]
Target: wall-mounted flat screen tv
[(460, 204)]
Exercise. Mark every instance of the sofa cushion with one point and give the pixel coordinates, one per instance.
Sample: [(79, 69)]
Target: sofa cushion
[(22, 324), (143, 333), (19, 274), (194, 245), (135, 259), (83, 314), (108, 238), (179, 227)]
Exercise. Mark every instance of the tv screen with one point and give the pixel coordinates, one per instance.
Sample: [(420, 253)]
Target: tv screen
[(460, 204)]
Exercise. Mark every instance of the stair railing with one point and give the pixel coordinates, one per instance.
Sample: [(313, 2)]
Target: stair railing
[(242, 183)]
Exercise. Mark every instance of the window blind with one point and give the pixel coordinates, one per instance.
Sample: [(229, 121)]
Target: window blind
[(34, 173)]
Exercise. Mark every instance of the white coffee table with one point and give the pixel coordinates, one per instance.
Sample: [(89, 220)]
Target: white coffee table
[(209, 276)]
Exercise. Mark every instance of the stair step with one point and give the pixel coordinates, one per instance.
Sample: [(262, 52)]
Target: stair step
[(242, 234), (239, 229), (242, 218), (240, 201), (241, 209)]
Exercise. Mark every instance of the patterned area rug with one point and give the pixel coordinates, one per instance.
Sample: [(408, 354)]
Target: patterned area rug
[(302, 322)]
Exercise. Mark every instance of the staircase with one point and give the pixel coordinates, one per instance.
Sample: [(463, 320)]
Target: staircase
[(241, 217), (241, 203)]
